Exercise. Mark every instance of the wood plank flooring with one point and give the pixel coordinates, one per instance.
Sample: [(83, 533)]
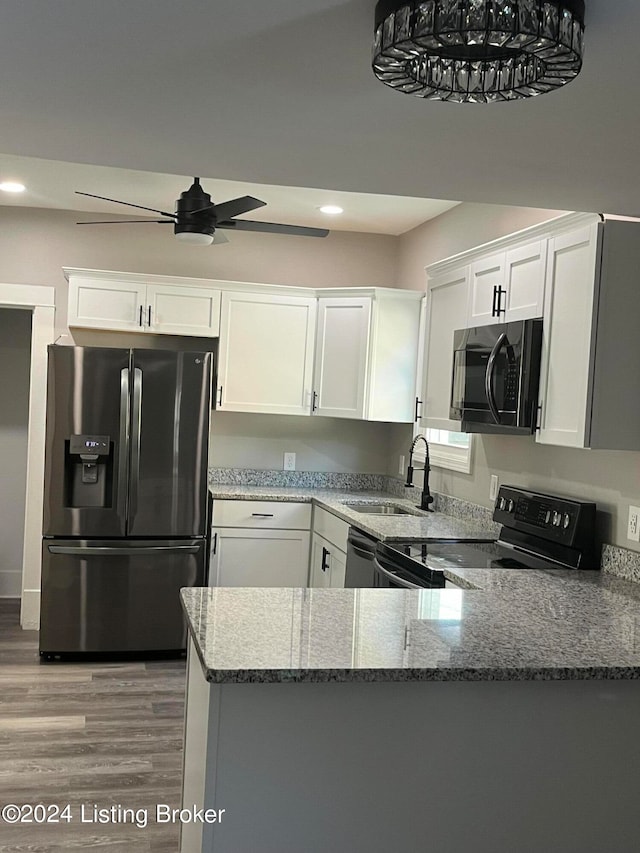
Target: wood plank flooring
[(103, 734)]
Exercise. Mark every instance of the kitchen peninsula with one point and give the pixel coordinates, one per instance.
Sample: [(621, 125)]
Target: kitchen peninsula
[(495, 719)]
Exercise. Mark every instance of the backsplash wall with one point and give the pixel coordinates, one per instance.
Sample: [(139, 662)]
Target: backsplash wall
[(240, 440)]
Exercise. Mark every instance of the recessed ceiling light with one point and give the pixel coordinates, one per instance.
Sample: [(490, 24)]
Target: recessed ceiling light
[(12, 187), (331, 209)]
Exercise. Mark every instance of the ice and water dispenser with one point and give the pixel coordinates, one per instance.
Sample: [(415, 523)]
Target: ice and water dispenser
[(89, 471)]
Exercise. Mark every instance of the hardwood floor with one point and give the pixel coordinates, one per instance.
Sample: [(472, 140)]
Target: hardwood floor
[(107, 735)]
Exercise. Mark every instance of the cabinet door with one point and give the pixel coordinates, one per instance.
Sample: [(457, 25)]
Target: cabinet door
[(342, 347), (337, 568), (243, 557), (487, 288), (95, 304), (176, 310), (446, 312), (319, 575), (524, 276), (266, 353), (566, 342)]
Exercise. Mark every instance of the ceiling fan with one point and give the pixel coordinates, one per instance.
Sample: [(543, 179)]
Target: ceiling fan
[(196, 219)]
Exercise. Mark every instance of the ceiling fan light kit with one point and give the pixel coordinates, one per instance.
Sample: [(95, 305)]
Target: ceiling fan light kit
[(478, 51)]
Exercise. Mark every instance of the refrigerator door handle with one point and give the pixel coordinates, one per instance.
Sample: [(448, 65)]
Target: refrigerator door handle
[(124, 443), (108, 551), (136, 422)]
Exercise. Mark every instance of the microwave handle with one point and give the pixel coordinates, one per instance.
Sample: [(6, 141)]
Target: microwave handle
[(488, 377)]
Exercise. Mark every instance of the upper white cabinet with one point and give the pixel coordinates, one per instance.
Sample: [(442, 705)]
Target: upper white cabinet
[(366, 355), (591, 347), (135, 303), (508, 286), (265, 360), (447, 301), (342, 350)]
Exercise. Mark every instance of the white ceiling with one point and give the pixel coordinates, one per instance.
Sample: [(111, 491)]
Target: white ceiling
[(51, 183), (281, 93)]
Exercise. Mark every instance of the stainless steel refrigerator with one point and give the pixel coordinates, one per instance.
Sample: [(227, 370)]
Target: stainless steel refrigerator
[(126, 498)]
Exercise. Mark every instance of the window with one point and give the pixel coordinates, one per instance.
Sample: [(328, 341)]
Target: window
[(451, 450)]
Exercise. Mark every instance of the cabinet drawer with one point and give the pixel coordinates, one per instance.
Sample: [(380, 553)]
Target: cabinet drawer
[(332, 528), (277, 514)]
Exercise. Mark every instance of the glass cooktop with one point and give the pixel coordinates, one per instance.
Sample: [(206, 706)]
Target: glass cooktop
[(465, 555)]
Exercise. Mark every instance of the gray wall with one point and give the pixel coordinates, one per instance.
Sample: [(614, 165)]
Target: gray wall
[(35, 244), (320, 444), (612, 478), (15, 359)]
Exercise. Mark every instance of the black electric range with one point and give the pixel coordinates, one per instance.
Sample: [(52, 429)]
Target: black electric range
[(538, 531)]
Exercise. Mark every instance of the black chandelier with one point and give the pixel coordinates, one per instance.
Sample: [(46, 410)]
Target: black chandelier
[(478, 51)]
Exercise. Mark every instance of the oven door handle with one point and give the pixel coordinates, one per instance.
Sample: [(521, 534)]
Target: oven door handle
[(399, 581), (366, 555), (488, 377)]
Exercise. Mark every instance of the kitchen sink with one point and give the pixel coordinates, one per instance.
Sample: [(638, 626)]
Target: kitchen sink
[(381, 509)]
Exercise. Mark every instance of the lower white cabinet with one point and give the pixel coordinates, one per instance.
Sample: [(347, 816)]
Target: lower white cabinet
[(328, 550), (328, 564), (251, 547)]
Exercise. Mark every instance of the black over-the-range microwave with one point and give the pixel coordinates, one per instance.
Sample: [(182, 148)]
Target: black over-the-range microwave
[(496, 374)]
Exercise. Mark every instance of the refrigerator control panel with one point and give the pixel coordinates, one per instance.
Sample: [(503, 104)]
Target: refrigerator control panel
[(94, 445)]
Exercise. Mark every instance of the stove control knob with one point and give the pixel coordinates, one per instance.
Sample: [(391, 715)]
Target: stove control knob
[(502, 503), (547, 517), (557, 519), (510, 506), (566, 520)]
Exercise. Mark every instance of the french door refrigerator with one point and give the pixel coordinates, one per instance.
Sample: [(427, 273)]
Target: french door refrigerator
[(126, 498)]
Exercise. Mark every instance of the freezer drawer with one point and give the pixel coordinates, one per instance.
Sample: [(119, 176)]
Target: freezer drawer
[(112, 596)]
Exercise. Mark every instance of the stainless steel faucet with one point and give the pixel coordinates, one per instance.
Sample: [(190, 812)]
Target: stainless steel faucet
[(427, 497)]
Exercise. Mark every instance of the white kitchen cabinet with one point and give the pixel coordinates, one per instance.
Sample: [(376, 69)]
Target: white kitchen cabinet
[(366, 354), (260, 543), (182, 310), (342, 351), (265, 359), (146, 304), (271, 558), (447, 300), (508, 286), (328, 550), (328, 564), (591, 346)]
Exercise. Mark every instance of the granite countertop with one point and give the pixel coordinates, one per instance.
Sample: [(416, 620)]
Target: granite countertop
[(418, 525), (526, 625)]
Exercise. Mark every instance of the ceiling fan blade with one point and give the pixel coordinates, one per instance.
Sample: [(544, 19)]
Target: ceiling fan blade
[(236, 206), (219, 237), (126, 221), (274, 228), (128, 204)]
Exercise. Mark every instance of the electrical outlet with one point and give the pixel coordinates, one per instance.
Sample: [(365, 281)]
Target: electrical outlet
[(493, 488), (289, 462), (633, 525), (401, 466)]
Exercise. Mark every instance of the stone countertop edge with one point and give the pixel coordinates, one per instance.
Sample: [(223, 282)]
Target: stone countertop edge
[(418, 525)]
